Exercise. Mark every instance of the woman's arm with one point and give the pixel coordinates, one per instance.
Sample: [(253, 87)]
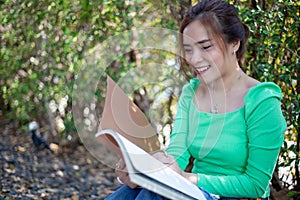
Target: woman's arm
[(178, 147)]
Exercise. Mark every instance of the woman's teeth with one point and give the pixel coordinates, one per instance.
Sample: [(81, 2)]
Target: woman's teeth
[(202, 69)]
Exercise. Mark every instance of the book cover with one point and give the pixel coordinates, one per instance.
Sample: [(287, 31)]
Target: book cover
[(122, 115)]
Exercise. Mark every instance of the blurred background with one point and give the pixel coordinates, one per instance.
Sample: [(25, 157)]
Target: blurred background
[(43, 46)]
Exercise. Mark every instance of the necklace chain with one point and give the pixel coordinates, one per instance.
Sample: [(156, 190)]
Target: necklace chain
[(214, 108)]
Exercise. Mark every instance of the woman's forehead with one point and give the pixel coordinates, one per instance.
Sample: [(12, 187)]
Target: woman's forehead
[(195, 32)]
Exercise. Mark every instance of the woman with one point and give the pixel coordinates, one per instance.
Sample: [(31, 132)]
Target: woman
[(231, 124)]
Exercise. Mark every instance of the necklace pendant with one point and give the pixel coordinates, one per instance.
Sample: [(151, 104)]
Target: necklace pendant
[(214, 110)]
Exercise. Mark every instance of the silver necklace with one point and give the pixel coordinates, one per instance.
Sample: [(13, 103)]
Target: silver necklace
[(214, 108)]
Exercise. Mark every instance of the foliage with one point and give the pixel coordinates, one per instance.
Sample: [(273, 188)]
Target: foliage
[(44, 44), (41, 46), (273, 56)]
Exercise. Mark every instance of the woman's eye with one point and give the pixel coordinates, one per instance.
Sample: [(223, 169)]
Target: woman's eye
[(206, 47), (188, 50)]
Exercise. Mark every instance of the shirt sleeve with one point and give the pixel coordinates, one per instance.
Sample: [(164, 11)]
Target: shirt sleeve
[(265, 131), (177, 147)]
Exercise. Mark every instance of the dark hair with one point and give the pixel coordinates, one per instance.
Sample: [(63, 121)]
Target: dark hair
[(222, 21)]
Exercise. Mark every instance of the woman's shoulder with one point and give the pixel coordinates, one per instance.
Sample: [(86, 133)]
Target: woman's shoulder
[(264, 90), (192, 86), (260, 91)]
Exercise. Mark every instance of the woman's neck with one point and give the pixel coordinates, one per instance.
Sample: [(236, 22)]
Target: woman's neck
[(225, 83)]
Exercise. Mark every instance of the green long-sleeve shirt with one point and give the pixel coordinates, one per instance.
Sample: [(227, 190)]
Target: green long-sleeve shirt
[(235, 153)]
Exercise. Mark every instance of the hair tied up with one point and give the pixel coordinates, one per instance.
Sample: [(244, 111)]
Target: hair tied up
[(247, 31)]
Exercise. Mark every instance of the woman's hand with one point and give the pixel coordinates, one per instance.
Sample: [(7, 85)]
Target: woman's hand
[(171, 163), (122, 173), (168, 160)]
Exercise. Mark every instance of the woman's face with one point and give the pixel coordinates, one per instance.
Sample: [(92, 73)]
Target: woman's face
[(204, 54)]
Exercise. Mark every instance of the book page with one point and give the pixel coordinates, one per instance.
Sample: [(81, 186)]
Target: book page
[(151, 167)]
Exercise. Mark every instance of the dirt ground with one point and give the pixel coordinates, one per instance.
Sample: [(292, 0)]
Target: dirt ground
[(70, 173)]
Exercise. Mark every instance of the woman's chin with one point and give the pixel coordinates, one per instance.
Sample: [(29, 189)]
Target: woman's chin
[(204, 79)]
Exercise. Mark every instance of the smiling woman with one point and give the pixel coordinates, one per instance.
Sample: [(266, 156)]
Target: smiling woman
[(229, 123)]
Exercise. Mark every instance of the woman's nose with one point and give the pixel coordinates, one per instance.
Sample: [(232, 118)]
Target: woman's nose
[(196, 57)]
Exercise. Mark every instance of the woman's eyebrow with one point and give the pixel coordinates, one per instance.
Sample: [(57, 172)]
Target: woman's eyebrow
[(199, 42), (203, 41)]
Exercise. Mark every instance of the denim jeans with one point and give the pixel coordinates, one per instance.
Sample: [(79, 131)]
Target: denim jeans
[(229, 198), (127, 193)]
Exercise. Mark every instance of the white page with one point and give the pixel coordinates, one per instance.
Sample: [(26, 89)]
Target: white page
[(144, 162)]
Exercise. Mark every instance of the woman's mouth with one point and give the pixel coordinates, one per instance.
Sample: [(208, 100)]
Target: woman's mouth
[(201, 70)]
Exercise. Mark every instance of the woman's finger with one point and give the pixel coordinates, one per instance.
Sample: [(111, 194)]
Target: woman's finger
[(122, 174)]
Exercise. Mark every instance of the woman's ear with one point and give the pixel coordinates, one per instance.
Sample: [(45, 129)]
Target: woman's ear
[(235, 46)]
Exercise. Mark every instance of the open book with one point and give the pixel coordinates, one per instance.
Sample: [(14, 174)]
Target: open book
[(133, 146)]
